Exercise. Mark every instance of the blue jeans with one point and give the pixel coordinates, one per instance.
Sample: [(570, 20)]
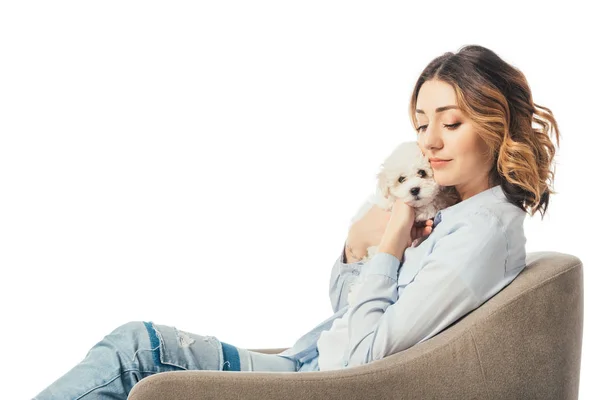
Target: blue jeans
[(138, 349)]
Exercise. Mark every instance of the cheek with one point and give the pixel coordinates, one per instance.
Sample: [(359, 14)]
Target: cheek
[(465, 148), (420, 144)]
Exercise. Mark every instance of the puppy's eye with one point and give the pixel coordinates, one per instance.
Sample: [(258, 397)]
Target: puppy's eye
[(422, 173), (401, 179)]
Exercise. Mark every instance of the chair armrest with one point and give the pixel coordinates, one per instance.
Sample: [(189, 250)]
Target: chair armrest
[(428, 370), (535, 325)]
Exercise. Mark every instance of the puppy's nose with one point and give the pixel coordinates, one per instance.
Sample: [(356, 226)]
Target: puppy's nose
[(415, 191)]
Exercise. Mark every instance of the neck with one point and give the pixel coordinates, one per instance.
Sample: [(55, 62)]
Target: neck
[(471, 189)]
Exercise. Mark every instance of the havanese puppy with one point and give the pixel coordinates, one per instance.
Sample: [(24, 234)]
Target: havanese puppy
[(406, 174)]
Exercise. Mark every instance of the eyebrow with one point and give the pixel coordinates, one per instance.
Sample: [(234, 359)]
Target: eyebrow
[(437, 110)]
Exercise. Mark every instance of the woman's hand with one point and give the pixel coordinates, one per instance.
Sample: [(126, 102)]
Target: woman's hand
[(366, 232), (402, 231), (369, 230), (420, 231), (397, 236)]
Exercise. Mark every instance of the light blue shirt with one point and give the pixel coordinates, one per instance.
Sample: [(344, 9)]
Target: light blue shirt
[(475, 250)]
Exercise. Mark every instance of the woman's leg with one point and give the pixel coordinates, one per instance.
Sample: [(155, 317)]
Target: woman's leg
[(138, 349), (255, 361)]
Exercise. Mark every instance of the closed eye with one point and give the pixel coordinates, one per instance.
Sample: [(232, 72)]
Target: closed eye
[(451, 127)]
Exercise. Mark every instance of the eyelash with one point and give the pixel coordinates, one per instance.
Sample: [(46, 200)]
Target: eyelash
[(452, 127)]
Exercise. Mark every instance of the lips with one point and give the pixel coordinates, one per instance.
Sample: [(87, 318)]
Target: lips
[(439, 163)]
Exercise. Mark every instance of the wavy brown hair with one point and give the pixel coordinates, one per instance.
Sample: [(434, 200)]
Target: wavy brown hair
[(496, 97)]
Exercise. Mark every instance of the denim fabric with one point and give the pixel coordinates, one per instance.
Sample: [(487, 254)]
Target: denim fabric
[(139, 349)]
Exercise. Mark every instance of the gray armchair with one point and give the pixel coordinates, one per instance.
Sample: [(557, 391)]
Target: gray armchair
[(523, 343)]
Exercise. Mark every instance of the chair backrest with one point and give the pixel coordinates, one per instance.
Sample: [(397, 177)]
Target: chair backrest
[(524, 342), (529, 335)]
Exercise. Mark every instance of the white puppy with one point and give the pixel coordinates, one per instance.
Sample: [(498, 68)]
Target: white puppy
[(406, 174)]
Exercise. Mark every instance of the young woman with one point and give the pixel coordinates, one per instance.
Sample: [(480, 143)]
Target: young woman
[(475, 121)]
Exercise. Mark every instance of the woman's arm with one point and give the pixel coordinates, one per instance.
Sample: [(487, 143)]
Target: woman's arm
[(343, 276), (397, 235), (352, 253), (389, 316), (377, 225), (363, 233)]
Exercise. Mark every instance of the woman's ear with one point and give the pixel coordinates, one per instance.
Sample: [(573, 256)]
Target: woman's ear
[(382, 184)]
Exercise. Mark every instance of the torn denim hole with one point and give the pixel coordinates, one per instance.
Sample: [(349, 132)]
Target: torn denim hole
[(162, 355), (183, 338), (216, 343)]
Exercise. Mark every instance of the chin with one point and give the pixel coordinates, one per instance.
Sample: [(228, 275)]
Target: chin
[(443, 180)]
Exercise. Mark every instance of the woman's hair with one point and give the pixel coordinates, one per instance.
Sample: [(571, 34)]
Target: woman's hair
[(496, 96)]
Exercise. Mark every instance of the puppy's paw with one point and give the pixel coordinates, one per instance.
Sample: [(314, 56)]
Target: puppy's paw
[(371, 251)]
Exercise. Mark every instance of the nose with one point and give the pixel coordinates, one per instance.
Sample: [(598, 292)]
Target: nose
[(430, 139), (415, 191)]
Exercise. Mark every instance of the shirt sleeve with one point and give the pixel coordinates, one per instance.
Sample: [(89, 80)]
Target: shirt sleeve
[(390, 316), (343, 276)]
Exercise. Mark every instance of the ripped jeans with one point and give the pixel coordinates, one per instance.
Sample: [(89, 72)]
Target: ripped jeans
[(138, 349)]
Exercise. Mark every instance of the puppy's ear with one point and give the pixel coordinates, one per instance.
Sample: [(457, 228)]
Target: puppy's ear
[(383, 185)]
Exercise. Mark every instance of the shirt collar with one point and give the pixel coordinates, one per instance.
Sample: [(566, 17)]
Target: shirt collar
[(487, 196)]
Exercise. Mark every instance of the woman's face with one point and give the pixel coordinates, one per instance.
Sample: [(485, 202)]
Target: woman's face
[(448, 134)]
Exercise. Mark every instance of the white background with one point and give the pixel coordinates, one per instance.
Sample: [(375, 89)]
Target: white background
[(197, 164)]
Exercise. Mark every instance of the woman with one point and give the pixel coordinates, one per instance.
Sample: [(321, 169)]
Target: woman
[(474, 117)]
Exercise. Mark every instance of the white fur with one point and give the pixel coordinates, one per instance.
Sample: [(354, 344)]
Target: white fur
[(406, 161)]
